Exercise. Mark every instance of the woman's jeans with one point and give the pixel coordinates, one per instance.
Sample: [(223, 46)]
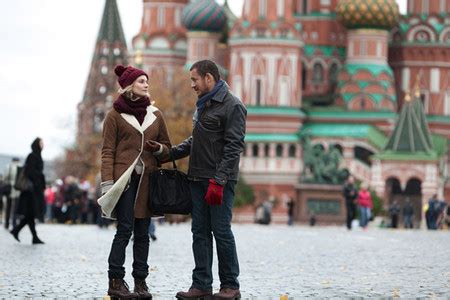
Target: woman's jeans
[(209, 220), (127, 224), (364, 213)]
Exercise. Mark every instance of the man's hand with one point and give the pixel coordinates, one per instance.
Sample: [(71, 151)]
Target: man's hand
[(214, 194), (152, 146)]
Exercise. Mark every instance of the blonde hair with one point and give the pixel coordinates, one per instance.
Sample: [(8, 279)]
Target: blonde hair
[(128, 92)]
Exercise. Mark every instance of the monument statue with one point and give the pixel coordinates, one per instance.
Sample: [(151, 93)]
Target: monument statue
[(321, 166)]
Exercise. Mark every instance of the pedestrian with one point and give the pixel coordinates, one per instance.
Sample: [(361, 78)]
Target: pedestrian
[(125, 171), (394, 212), (12, 194), (432, 212), (31, 203), (290, 206), (214, 148), (350, 193), (365, 205), (408, 214), (50, 196)]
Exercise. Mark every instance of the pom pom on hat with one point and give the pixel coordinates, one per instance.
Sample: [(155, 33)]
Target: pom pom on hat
[(119, 69), (127, 75)]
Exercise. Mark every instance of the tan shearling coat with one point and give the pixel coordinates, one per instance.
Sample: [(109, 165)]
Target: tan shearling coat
[(123, 143)]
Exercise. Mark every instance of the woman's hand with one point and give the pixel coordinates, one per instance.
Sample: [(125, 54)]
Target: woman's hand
[(152, 147)]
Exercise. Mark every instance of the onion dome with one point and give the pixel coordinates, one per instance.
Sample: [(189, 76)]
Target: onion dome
[(382, 14), (204, 15)]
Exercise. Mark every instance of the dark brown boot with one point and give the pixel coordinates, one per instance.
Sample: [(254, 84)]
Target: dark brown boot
[(194, 293), (227, 294), (118, 288), (141, 289)]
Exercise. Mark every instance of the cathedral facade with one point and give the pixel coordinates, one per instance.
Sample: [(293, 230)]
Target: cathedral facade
[(337, 71)]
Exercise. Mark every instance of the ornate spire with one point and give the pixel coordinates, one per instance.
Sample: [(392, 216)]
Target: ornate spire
[(411, 133), (110, 50), (111, 26)]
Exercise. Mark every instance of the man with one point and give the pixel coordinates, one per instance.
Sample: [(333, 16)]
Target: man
[(408, 214), (350, 194), (214, 147), (394, 211), (11, 199)]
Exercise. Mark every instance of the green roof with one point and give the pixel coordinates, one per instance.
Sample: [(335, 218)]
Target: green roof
[(326, 50), (411, 133), (272, 137), (275, 110), (360, 131), (111, 26), (438, 118), (339, 113), (408, 156)]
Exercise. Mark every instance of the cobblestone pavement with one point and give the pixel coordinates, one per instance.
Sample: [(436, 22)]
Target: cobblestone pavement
[(327, 262)]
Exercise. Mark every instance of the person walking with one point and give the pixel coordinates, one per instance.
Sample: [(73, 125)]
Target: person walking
[(290, 206), (125, 168), (408, 214), (394, 212), (31, 203), (214, 148), (350, 193), (365, 205), (13, 194)]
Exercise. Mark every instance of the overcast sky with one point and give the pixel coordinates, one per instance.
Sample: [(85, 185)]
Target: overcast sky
[(46, 50)]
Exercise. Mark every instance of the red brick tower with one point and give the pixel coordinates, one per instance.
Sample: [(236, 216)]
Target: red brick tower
[(160, 47), (110, 50)]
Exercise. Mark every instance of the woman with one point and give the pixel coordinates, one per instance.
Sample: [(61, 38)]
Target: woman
[(31, 203), (126, 164), (365, 205)]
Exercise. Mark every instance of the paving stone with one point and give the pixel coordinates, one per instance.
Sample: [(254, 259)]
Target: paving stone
[(321, 262)]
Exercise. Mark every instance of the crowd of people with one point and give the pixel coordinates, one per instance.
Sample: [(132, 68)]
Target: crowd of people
[(359, 203)]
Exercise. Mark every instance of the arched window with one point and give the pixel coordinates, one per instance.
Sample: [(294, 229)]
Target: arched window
[(318, 73), (333, 74), (255, 149), (279, 150), (292, 150), (266, 150), (304, 74)]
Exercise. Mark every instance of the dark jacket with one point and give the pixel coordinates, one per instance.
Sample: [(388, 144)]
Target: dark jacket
[(350, 193), (33, 202), (217, 139)]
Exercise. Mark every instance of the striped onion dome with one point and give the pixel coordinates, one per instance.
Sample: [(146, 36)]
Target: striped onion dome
[(204, 15), (382, 14)]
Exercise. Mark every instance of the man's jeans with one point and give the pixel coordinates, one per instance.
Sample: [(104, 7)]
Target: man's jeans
[(126, 224), (206, 221)]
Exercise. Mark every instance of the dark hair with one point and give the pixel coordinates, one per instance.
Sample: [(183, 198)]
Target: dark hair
[(206, 66)]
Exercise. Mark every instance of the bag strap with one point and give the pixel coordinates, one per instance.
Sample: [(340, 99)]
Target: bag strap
[(173, 160)]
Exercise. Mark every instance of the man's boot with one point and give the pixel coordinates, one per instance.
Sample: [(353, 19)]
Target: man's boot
[(141, 289), (227, 294), (194, 293), (118, 288)]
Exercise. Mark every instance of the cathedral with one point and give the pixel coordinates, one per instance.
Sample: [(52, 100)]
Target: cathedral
[(351, 75)]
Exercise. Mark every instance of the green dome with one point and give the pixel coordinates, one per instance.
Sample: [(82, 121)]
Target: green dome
[(382, 14), (204, 15)]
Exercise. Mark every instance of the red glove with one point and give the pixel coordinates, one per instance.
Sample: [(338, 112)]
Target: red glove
[(214, 194)]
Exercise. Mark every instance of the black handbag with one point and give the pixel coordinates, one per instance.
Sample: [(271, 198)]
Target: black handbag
[(169, 192), (23, 184)]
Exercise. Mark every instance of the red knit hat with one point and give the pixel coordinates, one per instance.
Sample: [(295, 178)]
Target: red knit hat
[(127, 75)]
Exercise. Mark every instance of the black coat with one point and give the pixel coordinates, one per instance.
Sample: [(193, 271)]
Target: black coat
[(217, 139), (32, 203)]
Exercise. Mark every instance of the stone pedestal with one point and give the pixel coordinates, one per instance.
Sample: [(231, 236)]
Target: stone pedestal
[(325, 201)]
